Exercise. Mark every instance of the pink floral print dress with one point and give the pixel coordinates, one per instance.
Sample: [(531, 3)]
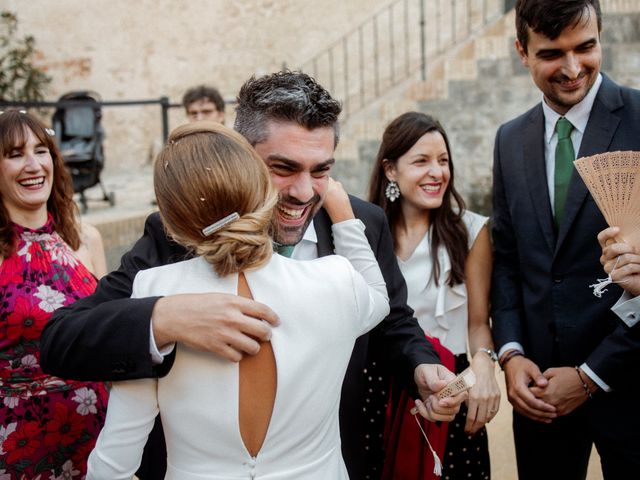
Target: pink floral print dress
[(48, 426)]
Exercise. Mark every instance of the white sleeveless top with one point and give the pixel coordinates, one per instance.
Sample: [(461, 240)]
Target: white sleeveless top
[(441, 310)]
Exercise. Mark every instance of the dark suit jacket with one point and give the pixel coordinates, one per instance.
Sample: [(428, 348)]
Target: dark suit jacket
[(106, 336), (540, 291)]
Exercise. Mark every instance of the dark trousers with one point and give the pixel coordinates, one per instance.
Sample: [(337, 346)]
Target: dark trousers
[(610, 420), (559, 450)]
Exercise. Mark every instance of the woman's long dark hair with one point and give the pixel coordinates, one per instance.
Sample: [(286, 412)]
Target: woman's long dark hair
[(447, 226), (14, 126)]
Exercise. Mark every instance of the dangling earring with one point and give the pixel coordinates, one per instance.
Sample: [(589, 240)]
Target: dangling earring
[(392, 192)]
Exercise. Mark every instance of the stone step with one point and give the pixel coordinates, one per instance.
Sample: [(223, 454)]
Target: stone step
[(472, 108)]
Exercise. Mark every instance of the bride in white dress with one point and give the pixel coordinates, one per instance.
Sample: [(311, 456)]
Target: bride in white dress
[(273, 416)]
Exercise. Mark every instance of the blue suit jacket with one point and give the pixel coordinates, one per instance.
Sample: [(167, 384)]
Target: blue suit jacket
[(540, 291)]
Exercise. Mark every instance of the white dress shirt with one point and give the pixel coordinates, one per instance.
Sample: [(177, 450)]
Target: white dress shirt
[(578, 115), (628, 309), (441, 310)]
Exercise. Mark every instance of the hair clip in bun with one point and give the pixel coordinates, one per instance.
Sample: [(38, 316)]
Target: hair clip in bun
[(214, 227)]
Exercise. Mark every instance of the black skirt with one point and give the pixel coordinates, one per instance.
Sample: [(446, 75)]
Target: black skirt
[(466, 457)]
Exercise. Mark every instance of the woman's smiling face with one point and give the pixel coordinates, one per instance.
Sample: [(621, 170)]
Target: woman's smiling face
[(26, 176), (422, 173)]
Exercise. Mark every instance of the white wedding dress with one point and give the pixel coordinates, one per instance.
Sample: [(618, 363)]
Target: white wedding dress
[(323, 305)]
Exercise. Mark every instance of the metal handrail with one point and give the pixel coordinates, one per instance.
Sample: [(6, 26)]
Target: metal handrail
[(428, 28), (395, 43), (164, 103)]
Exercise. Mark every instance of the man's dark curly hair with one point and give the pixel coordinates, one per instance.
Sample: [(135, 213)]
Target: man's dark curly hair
[(285, 96), (551, 17)]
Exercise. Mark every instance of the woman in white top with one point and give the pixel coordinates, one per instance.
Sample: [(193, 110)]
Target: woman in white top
[(444, 253), (273, 415)]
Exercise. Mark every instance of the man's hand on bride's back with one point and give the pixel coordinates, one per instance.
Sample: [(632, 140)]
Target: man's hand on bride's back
[(227, 325)]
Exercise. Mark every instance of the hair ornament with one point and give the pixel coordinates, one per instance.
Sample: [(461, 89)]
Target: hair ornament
[(23, 112), (214, 227), (50, 132)]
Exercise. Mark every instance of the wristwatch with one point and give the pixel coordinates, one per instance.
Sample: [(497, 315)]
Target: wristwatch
[(492, 355)]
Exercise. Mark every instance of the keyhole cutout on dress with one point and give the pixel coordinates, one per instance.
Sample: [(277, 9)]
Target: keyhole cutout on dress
[(258, 381)]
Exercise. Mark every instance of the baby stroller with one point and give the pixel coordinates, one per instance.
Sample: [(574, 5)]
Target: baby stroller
[(80, 135)]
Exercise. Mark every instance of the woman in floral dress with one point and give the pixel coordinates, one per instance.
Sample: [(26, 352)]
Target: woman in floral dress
[(48, 426)]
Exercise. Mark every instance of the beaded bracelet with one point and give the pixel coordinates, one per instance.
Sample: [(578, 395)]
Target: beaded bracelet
[(508, 356), (584, 384)]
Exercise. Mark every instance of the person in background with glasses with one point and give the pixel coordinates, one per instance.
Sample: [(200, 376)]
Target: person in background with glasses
[(203, 103)]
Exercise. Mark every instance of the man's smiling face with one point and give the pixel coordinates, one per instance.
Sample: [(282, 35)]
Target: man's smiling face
[(565, 68), (300, 161)]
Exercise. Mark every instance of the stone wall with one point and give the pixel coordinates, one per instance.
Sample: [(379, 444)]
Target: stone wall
[(472, 107), (147, 49)]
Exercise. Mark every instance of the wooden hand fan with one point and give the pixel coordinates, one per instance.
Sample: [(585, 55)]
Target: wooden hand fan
[(613, 179)]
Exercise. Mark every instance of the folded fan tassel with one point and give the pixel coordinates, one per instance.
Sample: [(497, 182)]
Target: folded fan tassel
[(599, 288), (437, 464)]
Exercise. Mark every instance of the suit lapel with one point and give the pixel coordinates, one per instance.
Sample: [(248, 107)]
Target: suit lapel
[(536, 174), (322, 224), (597, 137)]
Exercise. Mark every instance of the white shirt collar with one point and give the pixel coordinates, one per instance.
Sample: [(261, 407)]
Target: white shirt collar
[(578, 115), (307, 248), (310, 234)]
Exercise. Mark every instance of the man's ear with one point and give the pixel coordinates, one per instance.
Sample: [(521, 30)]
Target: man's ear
[(522, 53), (389, 170)]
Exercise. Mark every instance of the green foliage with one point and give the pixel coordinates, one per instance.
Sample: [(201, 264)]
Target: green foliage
[(20, 79)]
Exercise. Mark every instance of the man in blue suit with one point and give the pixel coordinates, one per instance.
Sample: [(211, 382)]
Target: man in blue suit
[(568, 361)]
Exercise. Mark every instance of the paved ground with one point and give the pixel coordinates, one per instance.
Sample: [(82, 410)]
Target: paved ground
[(503, 464), (122, 224), (133, 192)]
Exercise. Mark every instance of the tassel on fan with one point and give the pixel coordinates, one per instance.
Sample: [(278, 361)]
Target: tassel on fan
[(613, 179)]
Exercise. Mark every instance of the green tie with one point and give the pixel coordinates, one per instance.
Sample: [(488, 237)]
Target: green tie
[(284, 250), (564, 167)]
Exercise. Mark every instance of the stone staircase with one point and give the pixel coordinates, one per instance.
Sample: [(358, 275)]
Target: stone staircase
[(472, 90)]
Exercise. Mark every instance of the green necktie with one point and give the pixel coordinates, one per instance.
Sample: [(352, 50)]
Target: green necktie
[(564, 167), (284, 250)]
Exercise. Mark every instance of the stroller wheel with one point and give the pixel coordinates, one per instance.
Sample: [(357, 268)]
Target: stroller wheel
[(111, 198)]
